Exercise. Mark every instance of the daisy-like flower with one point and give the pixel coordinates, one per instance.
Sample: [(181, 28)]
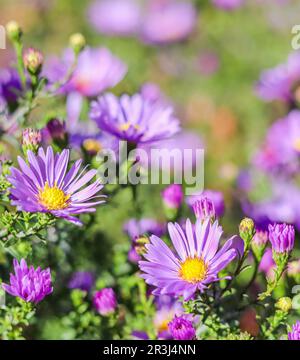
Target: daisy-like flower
[(133, 118), (196, 263), (45, 185), (29, 284), (295, 333)]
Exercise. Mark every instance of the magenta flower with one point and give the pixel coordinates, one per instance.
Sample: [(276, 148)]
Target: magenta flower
[(173, 196), (133, 118), (278, 83), (105, 301), (195, 264), (228, 4), (282, 237), (168, 21), (295, 333), (29, 284), (215, 196), (115, 17), (45, 185), (267, 264), (182, 329)]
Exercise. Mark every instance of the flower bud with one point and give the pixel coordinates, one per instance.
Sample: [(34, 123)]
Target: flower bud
[(204, 209), (284, 304), (173, 196), (77, 42), (13, 30), (31, 140), (182, 329), (247, 230), (259, 243), (282, 238), (33, 61), (105, 301), (140, 245)]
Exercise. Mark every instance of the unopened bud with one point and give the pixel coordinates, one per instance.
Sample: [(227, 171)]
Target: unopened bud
[(13, 30), (204, 209), (284, 304), (247, 230), (77, 42), (33, 60), (31, 140)]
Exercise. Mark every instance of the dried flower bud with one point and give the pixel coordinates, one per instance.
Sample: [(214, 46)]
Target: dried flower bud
[(31, 140)]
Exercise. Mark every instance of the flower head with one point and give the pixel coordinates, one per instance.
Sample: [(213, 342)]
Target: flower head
[(116, 18), (216, 197), (31, 139), (45, 185), (173, 196), (168, 22), (195, 264), (97, 69), (33, 60), (77, 42), (182, 329), (31, 285), (204, 209), (284, 304), (105, 301), (282, 237), (134, 119), (83, 280), (295, 333)]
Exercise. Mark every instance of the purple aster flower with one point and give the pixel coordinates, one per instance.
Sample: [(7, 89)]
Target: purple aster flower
[(105, 301), (228, 4), (133, 118), (97, 69), (282, 237), (55, 130), (182, 329), (173, 196), (278, 83), (115, 17), (29, 284), (10, 85), (45, 185), (215, 196), (204, 209), (195, 264), (168, 21), (83, 280), (295, 333)]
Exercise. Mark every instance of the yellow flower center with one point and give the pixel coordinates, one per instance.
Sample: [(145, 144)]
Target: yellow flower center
[(53, 198), (296, 144), (163, 326), (127, 125), (92, 145), (193, 270)]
